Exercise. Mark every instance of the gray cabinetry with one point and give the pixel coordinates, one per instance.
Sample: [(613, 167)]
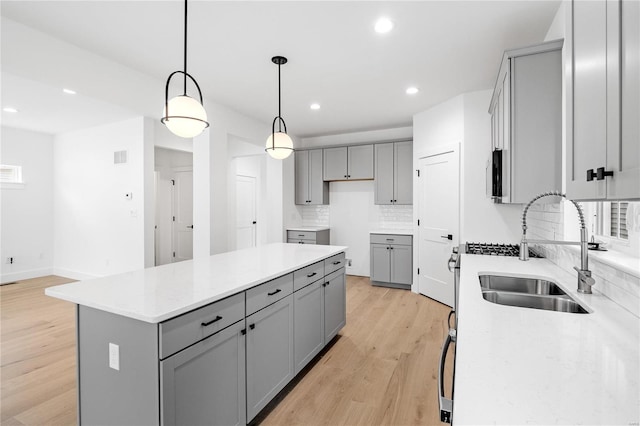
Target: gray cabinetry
[(526, 121), (310, 189), (335, 309), (603, 98), (393, 177), (320, 237), (270, 364), (308, 308), (205, 383), (348, 163), (391, 260)]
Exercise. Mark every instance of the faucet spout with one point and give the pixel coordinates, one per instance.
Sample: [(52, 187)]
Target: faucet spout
[(585, 281)]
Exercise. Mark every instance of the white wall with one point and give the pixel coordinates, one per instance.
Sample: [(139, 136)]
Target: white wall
[(26, 226), (97, 231)]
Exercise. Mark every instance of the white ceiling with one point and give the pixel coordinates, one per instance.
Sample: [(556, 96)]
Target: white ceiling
[(335, 58)]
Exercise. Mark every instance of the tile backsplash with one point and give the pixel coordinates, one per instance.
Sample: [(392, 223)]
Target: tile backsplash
[(546, 221), (380, 217)]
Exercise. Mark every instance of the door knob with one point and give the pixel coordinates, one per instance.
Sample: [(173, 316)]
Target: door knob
[(448, 236), (254, 222), (190, 226)]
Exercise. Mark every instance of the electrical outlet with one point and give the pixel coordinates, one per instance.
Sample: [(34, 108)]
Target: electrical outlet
[(114, 356)]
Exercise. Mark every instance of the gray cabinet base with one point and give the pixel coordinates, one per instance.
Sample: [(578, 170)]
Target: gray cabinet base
[(391, 285)]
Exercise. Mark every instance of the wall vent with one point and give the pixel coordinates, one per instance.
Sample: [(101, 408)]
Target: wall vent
[(119, 157)]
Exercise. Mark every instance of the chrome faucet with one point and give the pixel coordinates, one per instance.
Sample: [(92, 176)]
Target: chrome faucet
[(585, 281)]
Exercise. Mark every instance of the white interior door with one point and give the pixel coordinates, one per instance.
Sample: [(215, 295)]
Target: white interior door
[(183, 215), (246, 224), (439, 212), (164, 224)]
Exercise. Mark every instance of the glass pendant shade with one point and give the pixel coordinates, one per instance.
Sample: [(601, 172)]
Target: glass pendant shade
[(279, 145), (187, 117)]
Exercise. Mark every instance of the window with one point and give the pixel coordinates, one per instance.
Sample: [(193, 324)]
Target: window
[(10, 174), (610, 219)]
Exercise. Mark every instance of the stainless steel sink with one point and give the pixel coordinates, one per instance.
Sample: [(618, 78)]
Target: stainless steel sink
[(520, 285), (534, 301)]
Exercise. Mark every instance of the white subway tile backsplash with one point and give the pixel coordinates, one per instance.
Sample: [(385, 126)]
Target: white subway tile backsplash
[(546, 221), (315, 215)]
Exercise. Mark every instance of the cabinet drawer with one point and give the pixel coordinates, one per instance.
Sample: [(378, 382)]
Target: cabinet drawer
[(334, 263), (391, 239), (268, 293), (178, 333), (299, 241), (307, 275), (302, 235)]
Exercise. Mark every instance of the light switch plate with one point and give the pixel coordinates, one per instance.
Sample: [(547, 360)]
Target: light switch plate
[(114, 356)]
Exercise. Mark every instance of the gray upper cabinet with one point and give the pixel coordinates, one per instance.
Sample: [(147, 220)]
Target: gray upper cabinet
[(393, 166), (603, 98), (526, 121), (205, 383), (348, 163), (310, 187)]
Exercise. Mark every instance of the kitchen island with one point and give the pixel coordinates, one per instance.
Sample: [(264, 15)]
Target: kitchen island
[(517, 365), (206, 341)]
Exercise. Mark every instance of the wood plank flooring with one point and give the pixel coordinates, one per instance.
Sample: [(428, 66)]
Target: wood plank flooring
[(381, 370)]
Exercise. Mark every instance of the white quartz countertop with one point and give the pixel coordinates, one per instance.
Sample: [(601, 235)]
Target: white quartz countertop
[(163, 292), (527, 366), (308, 228), (392, 231)]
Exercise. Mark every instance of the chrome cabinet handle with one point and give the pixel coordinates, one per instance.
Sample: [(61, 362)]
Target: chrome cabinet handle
[(445, 404)]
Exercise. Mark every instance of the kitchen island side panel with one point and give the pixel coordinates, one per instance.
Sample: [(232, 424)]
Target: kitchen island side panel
[(108, 396)]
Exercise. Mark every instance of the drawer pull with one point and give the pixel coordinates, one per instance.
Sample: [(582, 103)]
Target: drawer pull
[(216, 319), (312, 275), (300, 235), (337, 262), (390, 239), (252, 326), (274, 292)]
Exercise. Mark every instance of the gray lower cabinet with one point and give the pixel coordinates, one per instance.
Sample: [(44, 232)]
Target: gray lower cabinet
[(205, 383), (270, 364), (335, 306), (391, 260), (393, 173), (308, 237), (308, 310)]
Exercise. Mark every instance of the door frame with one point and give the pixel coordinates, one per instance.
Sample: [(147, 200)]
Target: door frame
[(456, 148), (255, 207)]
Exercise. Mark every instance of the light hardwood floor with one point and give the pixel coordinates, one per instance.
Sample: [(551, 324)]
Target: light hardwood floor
[(382, 370)]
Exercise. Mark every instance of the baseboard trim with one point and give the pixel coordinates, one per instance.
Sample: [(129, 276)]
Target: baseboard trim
[(24, 275), (74, 275)]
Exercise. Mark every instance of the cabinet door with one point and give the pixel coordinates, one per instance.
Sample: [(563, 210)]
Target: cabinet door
[(302, 176), (587, 98), (360, 162), (380, 263), (403, 173), (308, 312), (401, 260), (270, 364), (205, 383), (383, 184), (335, 163), (623, 151), (335, 305), (318, 188)]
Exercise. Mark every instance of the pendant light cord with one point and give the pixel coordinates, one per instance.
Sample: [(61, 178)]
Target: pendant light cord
[(279, 102), (185, 47)]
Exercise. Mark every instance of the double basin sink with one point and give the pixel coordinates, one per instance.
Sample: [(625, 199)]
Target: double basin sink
[(525, 292)]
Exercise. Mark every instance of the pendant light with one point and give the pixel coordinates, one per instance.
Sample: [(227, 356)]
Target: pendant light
[(183, 115), (279, 144)]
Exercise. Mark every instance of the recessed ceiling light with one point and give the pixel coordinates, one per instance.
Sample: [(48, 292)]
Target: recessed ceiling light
[(412, 90), (383, 25), (9, 109), (314, 106), (69, 91)]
